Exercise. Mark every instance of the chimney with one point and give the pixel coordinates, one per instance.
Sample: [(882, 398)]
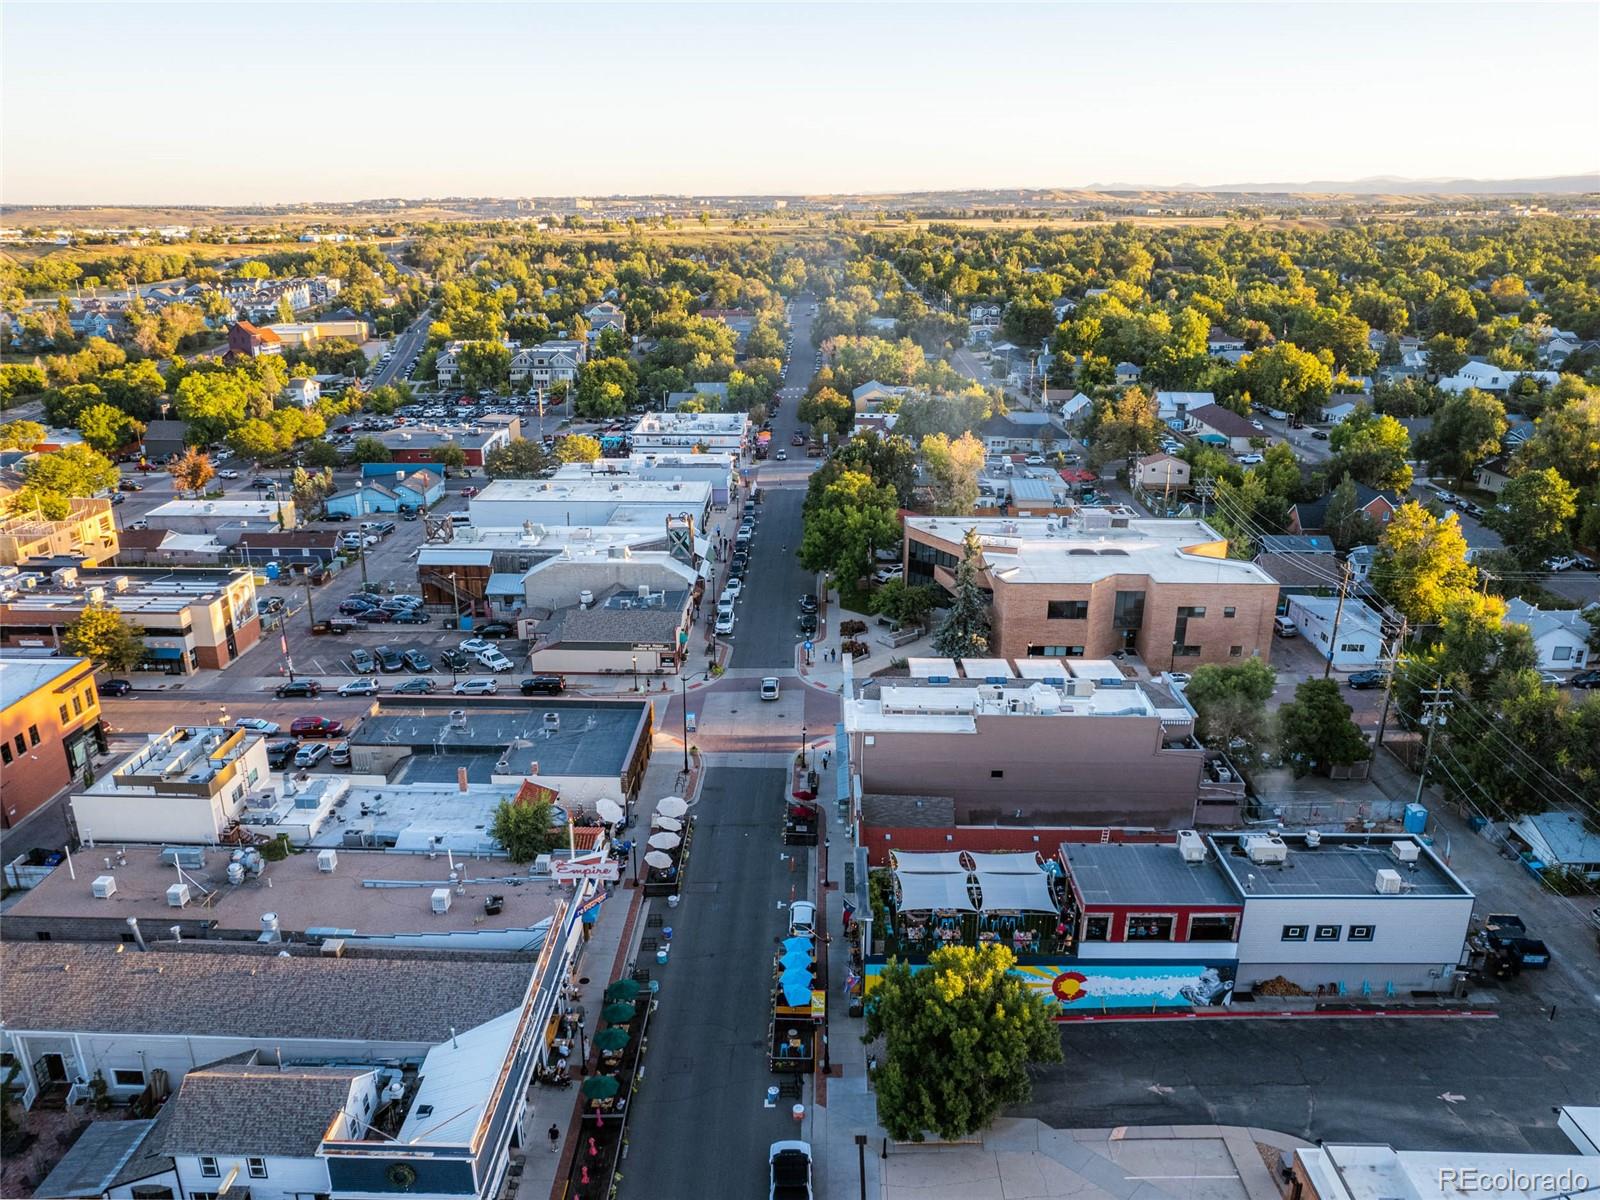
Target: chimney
[(461, 779)]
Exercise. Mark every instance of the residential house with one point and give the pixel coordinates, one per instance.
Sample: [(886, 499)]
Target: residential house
[(410, 492), (303, 393), (1026, 432), (740, 320), (1176, 406), (1221, 422), (1350, 637), (872, 394), (1162, 473), (548, 363), (1067, 404), (1561, 636), (252, 341), (882, 326), (1341, 407), (1562, 840), (605, 315), (1102, 581), (1219, 342), (1308, 515), (1493, 474), (164, 440), (983, 322), (49, 728), (1128, 373), (447, 363)]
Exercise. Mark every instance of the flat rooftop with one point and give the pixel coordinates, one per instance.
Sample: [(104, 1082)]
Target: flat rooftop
[(303, 896), (1341, 865), (1144, 872), (1087, 547), (631, 491), (130, 589), (267, 510), (22, 675), (955, 707), (686, 423), (186, 754), (1376, 1172), (594, 737)]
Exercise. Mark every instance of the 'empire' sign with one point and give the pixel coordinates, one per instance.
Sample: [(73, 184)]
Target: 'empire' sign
[(592, 866)]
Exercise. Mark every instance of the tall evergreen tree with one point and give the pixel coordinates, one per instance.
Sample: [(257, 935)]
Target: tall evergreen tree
[(964, 632)]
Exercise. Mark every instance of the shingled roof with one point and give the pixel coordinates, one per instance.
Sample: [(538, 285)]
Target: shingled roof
[(94, 988), (257, 1108)]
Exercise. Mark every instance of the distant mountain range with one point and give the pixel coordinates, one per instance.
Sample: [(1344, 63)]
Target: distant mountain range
[(1390, 185)]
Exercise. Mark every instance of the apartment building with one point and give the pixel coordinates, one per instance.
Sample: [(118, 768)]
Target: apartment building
[(1102, 581), (711, 432), (49, 729), (87, 532), (540, 366), (193, 618)]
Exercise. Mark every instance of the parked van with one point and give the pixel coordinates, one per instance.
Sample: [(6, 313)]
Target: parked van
[(1284, 627)]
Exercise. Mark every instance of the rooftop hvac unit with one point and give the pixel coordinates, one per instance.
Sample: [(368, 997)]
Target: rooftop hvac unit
[(64, 577), (95, 595), (1191, 846), (1388, 882), (327, 860), (178, 895), (236, 873), (104, 887), (586, 599), (27, 582), (441, 900), (1313, 838), (1405, 851), (1263, 849)]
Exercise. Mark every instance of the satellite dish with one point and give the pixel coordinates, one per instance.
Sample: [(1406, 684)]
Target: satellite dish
[(610, 811)]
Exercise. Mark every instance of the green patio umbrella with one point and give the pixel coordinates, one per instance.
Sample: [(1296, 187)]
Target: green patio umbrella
[(622, 989), (601, 1087), (617, 1014), (614, 1038)]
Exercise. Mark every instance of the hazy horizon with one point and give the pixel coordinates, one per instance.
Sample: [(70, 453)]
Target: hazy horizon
[(143, 104)]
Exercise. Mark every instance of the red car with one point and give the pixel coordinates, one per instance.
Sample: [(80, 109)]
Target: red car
[(316, 727), (467, 493)]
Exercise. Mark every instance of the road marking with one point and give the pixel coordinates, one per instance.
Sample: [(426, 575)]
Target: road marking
[(1451, 1097), (1152, 1178), (1159, 1090)]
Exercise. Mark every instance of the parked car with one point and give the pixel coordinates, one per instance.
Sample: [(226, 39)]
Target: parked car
[(375, 616), (1561, 562), (322, 727), (496, 629), (1035, 460), (1320, 435), (257, 725), (724, 624), (782, 454), (808, 624), (456, 660), (281, 753), (476, 686), (885, 574), (114, 687), (769, 688), (731, 589), (1362, 680), (298, 687), (493, 660), (389, 659), (362, 662), (808, 604), (227, 474), (544, 685), (417, 685), (1586, 679), (360, 687), (413, 616), (475, 645), (339, 755), (789, 1171), (1249, 460), (416, 660), (354, 605), (310, 754)]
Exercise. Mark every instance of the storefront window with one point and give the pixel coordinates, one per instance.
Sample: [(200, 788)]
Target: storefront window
[(1150, 927), (1212, 928), (1096, 929)]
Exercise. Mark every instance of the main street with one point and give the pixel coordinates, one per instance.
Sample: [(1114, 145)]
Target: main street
[(699, 1126), (409, 343)]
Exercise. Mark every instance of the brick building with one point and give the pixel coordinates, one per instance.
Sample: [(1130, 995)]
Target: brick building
[(1103, 580), (49, 729)]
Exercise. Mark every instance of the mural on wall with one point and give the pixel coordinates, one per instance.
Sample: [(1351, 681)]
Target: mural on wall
[(1087, 988)]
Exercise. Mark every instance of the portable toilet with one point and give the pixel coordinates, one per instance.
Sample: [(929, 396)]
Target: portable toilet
[(1416, 819)]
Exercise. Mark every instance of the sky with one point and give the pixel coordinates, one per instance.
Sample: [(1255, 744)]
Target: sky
[(252, 103)]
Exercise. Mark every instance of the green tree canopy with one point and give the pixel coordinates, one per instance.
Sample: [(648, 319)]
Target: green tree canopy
[(68, 472), (370, 450), (21, 435), (524, 830), (850, 517), (1536, 521), (1373, 449), (1231, 701), (964, 632), (106, 428), (607, 387), (954, 467), (826, 411), (1466, 430), (1284, 376), (1422, 563), (106, 638), (577, 448), (960, 1035), (1315, 732), (517, 459)]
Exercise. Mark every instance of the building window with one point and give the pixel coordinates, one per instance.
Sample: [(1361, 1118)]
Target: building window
[(128, 1078), (1235, 651), (257, 1167), (1230, 612), (1562, 653), (1150, 927), (1055, 651), (64, 717), (1351, 648), (1217, 928), (77, 705), (1181, 651), (21, 744), (1294, 933), (1329, 933), (88, 697), (997, 774), (1129, 611), (209, 1168), (5, 752), (1067, 610), (33, 735), (1192, 610), (1360, 933), (1096, 929)]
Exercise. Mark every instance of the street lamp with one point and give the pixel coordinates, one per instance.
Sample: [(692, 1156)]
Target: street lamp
[(861, 1162), (683, 684), (455, 598), (636, 672), (802, 745)]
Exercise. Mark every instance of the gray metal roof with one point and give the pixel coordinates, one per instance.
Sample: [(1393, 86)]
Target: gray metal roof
[(96, 1158), (244, 992), (1342, 865), (246, 1108), (594, 737), (1144, 873)]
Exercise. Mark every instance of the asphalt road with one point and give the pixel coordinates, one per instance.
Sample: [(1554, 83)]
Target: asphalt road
[(408, 343)]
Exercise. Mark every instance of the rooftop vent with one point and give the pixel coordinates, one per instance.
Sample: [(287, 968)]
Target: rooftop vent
[(1266, 848)]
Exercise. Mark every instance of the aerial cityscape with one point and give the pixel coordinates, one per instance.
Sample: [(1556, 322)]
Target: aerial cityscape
[(914, 601)]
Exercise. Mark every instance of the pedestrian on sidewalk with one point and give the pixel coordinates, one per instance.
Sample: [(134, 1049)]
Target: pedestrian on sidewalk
[(554, 1135), (826, 755)]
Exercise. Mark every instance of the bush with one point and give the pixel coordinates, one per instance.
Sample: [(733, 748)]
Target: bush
[(855, 649), (852, 628)]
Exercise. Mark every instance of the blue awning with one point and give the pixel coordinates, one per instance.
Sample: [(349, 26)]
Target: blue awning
[(163, 651), (841, 758)]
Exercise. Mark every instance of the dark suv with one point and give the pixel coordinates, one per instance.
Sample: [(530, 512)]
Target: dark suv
[(544, 685), (280, 752), (300, 687)]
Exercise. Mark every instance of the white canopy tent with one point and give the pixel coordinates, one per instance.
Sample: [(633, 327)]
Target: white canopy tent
[(1002, 863), (906, 862), (927, 891), (1015, 892)]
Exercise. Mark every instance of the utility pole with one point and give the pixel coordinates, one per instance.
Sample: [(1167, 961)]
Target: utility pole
[(1390, 661), (311, 616), (1204, 489), (1338, 612), (1433, 710)]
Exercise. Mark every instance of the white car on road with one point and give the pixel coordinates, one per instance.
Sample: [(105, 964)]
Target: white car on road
[(360, 687), (769, 688), (476, 687), (725, 621)]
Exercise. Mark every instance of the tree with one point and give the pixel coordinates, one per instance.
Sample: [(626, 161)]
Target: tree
[(908, 603), (1536, 521), (310, 488), (1125, 426), (517, 459), (1315, 732), (1231, 701), (70, 471), (960, 1035), (849, 518), (826, 412), (1466, 430), (954, 467), (1345, 520), (606, 387), (1286, 377), (1374, 449), (321, 454), (452, 457), (107, 429), (20, 379), (370, 450), (889, 458), (213, 403), (21, 435), (1422, 563), (524, 830), (1568, 439), (190, 470), (577, 448), (106, 638), (964, 632), (484, 365)]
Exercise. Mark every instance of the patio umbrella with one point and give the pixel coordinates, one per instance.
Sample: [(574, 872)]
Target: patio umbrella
[(658, 858), (664, 841), (622, 989), (671, 806), (617, 1014), (797, 993), (672, 823), (795, 960), (610, 811), (612, 1039), (797, 943), (601, 1087), (796, 978)]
